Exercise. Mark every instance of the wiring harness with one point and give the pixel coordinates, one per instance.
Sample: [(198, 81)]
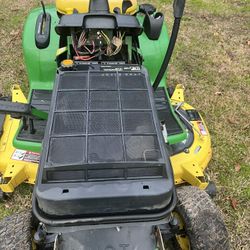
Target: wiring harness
[(89, 46)]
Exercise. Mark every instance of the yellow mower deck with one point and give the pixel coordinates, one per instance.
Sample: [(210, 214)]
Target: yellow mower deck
[(189, 166), (18, 166)]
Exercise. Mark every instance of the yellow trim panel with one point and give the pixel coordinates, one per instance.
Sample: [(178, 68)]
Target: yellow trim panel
[(189, 166), (15, 168), (67, 7)]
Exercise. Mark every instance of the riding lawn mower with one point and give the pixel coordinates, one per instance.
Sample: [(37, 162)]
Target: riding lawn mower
[(117, 158)]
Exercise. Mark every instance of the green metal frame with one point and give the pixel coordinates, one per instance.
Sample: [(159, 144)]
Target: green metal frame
[(41, 65)]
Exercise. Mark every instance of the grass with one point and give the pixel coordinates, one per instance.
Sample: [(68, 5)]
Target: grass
[(212, 61)]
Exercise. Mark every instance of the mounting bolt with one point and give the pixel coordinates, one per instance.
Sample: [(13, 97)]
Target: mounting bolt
[(174, 222)]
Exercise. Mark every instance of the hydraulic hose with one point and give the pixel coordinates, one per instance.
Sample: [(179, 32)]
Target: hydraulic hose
[(169, 53), (178, 12)]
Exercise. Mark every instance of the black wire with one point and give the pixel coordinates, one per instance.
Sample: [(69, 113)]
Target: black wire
[(44, 11)]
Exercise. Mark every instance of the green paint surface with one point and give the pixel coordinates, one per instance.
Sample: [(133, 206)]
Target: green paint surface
[(41, 65)]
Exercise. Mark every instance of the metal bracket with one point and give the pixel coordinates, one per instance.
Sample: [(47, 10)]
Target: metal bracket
[(56, 243), (178, 94), (13, 176), (185, 119), (191, 172), (42, 238), (160, 242)]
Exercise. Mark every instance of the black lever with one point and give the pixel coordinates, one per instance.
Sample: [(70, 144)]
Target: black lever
[(25, 111), (15, 109), (43, 27), (18, 110)]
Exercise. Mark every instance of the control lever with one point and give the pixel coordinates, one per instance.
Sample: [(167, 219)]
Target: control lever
[(22, 110), (43, 27)]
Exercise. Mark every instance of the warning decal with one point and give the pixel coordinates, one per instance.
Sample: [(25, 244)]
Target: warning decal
[(28, 156), (202, 128)]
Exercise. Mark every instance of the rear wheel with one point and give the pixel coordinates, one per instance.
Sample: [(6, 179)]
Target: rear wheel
[(15, 232), (200, 221)]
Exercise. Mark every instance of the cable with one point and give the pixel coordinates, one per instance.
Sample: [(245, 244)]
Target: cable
[(85, 58), (169, 52)]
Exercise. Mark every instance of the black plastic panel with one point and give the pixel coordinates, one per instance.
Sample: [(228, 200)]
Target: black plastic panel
[(59, 147), (103, 152), (126, 23), (40, 99), (132, 81), (104, 122), (165, 114), (108, 82), (138, 122), (127, 238), (71, 100), (114, 115), (103, 100), (72, 123), (136, 99), (105, 148), (73, 80), (142, 148)]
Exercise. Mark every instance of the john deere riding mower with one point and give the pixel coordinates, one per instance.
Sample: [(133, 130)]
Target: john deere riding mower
[(117, 157)]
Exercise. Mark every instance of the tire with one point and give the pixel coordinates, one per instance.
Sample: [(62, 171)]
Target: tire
[(15, 232), (203, 224)]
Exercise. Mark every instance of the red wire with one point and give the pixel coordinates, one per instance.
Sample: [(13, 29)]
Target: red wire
[(84, 58)]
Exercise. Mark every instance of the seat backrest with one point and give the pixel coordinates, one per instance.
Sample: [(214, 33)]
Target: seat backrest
[(82, 6)]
